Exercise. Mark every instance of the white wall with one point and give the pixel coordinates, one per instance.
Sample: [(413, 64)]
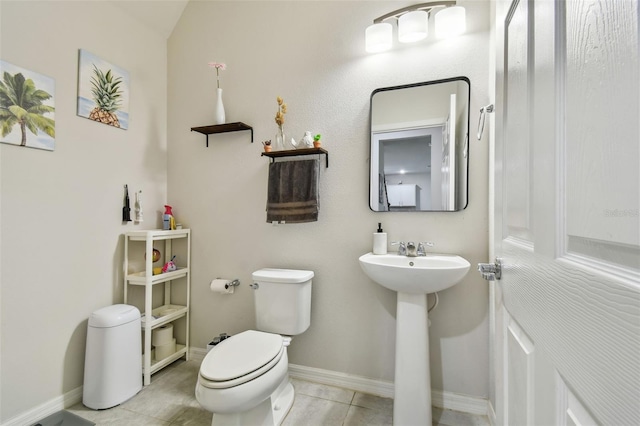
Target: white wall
[(61, 224), (312, 54)]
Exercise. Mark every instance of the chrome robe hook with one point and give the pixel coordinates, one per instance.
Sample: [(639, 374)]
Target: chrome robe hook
[(483, 113)]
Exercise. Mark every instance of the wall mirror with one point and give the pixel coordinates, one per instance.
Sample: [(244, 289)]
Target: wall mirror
[(420, 146)]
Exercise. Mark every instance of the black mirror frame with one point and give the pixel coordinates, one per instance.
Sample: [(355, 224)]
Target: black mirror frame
[(408, 86)]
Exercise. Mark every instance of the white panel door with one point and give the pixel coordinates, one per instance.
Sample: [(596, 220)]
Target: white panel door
[(566, 189), (519, 351)]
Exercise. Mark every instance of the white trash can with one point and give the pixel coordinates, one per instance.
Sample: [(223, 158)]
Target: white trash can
[(113, 357)]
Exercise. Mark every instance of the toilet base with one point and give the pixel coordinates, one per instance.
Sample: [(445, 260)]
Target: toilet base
[(282, 400), (270, 412)]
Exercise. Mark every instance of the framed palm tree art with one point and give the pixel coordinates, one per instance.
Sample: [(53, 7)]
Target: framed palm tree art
[(27, 108), (103, 91)]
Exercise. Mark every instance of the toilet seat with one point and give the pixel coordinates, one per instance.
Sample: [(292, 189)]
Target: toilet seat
[(240, 359)]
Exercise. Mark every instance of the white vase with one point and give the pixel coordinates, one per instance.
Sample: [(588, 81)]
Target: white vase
[(220, 118), (280, 140)]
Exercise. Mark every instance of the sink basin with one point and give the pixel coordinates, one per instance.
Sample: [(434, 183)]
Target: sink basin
[(415, 275)]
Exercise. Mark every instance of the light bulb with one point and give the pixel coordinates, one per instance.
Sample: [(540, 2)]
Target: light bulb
[(413, 26), (451, 22), (378, 37)]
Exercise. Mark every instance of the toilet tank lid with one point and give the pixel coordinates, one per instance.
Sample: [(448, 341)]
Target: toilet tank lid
[(282, 275)]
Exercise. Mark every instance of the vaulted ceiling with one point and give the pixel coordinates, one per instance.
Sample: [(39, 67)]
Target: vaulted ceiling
[(160, 15)]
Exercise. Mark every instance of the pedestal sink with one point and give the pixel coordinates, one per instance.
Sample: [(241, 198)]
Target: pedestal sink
[(413, 278)]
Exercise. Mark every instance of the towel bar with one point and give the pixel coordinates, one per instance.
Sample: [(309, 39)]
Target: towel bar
[(295, 152)]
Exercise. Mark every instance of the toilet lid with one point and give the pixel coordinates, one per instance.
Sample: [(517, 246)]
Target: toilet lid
[(241, 355)]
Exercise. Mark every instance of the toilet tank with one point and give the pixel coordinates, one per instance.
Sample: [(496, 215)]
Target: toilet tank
[(282, 300)]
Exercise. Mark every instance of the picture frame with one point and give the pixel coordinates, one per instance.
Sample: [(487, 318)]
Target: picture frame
[(103, 91), (27, 107)]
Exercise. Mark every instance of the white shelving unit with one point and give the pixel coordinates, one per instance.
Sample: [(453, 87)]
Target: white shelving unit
[(167, 312)]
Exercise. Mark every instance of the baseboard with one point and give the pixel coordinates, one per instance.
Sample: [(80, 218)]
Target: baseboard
[(447, 400), (458, 402), (493, 419), (43, 410), (442, 399), (333, 378), (197, 354)]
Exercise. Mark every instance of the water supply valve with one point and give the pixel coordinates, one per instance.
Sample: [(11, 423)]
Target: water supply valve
[(216, 340)]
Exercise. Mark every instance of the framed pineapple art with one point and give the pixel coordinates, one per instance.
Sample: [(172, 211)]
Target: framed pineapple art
[(27, 108), (103, 91)]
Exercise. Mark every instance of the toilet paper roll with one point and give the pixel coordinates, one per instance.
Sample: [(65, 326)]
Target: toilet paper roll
[(221, 285), (162, 335), (163, 351)]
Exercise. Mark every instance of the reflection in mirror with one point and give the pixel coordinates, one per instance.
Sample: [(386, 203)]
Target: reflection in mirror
[(419, 146)]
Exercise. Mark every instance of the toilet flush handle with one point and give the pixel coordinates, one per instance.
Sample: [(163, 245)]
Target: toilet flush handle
[(254, 286)]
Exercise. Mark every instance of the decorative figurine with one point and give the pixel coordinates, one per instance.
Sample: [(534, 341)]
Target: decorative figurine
[(169, 266), (307, 140)]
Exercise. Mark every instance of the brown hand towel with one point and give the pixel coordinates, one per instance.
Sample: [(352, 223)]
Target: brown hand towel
[(292, 195)]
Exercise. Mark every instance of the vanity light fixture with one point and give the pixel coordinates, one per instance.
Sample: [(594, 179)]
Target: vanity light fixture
[(413, 24)]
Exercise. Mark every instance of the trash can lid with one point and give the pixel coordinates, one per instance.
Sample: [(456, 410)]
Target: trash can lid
[(113, 315)]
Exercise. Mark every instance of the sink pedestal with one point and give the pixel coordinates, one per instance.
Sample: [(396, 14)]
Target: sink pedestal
[(412, 400)]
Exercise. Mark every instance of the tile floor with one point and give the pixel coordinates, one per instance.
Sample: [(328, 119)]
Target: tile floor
[(170, 401)]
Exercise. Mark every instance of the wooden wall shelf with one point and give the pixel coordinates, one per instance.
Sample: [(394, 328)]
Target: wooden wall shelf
[(294, 152), (222, 128)]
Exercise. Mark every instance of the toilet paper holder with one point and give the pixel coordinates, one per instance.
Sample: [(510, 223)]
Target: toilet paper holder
[(233, 283)]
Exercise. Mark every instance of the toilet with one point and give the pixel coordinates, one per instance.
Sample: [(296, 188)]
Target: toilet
[(244, 380)]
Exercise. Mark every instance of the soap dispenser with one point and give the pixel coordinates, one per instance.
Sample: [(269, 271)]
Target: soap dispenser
[(379, 241)]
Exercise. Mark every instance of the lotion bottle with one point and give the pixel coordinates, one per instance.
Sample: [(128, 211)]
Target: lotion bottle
[(138, 207), (379, 241), (166, 218)]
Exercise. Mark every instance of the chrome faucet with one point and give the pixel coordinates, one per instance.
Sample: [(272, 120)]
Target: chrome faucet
[(410, 249), (421, 247), (413, 251), (402, 248)]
